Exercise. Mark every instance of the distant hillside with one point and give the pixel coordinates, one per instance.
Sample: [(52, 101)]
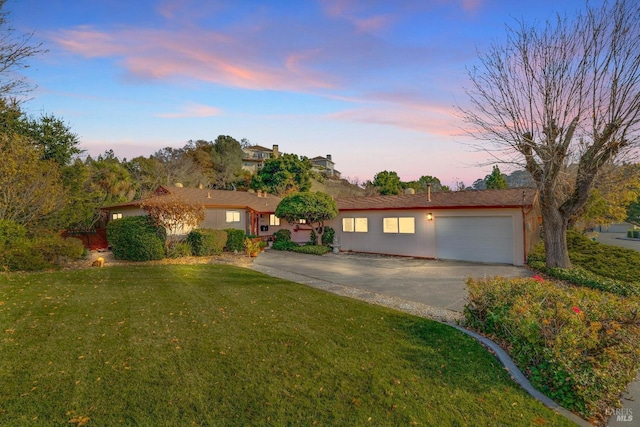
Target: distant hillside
[(337, 188)]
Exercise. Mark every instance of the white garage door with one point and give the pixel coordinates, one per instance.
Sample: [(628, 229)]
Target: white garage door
[(482, 239)]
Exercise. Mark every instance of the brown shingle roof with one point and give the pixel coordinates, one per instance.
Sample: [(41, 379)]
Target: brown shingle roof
[(216, 199), (517, 197)]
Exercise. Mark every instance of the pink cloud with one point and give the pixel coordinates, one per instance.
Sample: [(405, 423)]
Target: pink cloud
[(426, 119), (193, 110), (202, 55)]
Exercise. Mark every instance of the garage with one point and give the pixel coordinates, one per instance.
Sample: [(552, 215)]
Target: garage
[(475, 238)]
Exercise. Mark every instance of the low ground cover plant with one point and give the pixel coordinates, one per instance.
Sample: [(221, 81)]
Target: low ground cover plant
[(579, 346), (595, 265), (217, 345)]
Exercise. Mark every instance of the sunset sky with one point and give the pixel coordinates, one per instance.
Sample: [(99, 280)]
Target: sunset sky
[(373, 83)]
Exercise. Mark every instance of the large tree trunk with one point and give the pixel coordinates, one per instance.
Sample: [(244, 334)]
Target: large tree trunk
[(555, 237)]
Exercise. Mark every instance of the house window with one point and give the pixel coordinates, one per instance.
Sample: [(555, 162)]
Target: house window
[(357, 225), (233, 216), (274, 220), (402, 225), (116, 215), (362, 225)]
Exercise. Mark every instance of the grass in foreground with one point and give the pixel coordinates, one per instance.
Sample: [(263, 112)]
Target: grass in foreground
[(220, 345)]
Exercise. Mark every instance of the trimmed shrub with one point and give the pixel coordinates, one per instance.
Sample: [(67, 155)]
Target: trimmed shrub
[(136, 238), (282, 235), (311, 249), (207, 242), (284, 245), (235, 240), (327, 236), (580, 347), (20, 256), (41, 253)]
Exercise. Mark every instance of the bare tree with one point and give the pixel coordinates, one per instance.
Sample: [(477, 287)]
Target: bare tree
[(564, 94), (14, 52)]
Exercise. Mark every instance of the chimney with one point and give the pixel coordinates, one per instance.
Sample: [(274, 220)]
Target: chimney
[(276, 152), (259, 193), (200, 186), (428, 192), (208, 194), (329, 157)]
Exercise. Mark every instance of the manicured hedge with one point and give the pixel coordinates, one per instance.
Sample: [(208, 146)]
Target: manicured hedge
[(235, 240), (136, 238), (41, 253), (282, 235), (580, 347), (207, 242)]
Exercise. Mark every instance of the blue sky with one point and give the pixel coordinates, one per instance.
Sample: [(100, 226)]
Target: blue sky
[(373, 83)]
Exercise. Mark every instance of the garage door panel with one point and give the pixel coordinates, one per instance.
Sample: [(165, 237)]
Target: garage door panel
[(482, 239)]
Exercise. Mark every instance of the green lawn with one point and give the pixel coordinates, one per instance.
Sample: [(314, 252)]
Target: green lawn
[(216, 345)]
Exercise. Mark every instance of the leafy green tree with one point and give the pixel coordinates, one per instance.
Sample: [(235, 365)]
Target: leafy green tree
[(313, 208), (30, 188), (616, 188), (227, 161), (283, 175), (633, 212), (110, 179), (54, 137), (421, 185), (563, 93), (496, 181), (387, 183)]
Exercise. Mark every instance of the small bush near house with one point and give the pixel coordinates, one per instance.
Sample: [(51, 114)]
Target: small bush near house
[(207, 242), (235, 240), (327, 237), (282, 235), (284, 245), (136, 238), (311, 249), (580, 347)]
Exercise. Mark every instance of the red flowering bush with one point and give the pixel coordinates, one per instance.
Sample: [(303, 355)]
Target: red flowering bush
[(581, 347)]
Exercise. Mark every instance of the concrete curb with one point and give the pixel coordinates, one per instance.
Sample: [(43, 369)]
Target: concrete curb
[(441, 315), (520, 378)]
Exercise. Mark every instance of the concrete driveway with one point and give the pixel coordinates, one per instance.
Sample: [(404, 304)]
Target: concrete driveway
[(435, 283)]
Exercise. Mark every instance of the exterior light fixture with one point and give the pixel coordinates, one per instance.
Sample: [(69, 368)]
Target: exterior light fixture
[(429, 216)]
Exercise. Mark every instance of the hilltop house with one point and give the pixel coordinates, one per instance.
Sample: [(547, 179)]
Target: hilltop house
[(255, 155), (325, 166)]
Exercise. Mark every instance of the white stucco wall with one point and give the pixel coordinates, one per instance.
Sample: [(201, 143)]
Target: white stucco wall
[(423, 242)]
